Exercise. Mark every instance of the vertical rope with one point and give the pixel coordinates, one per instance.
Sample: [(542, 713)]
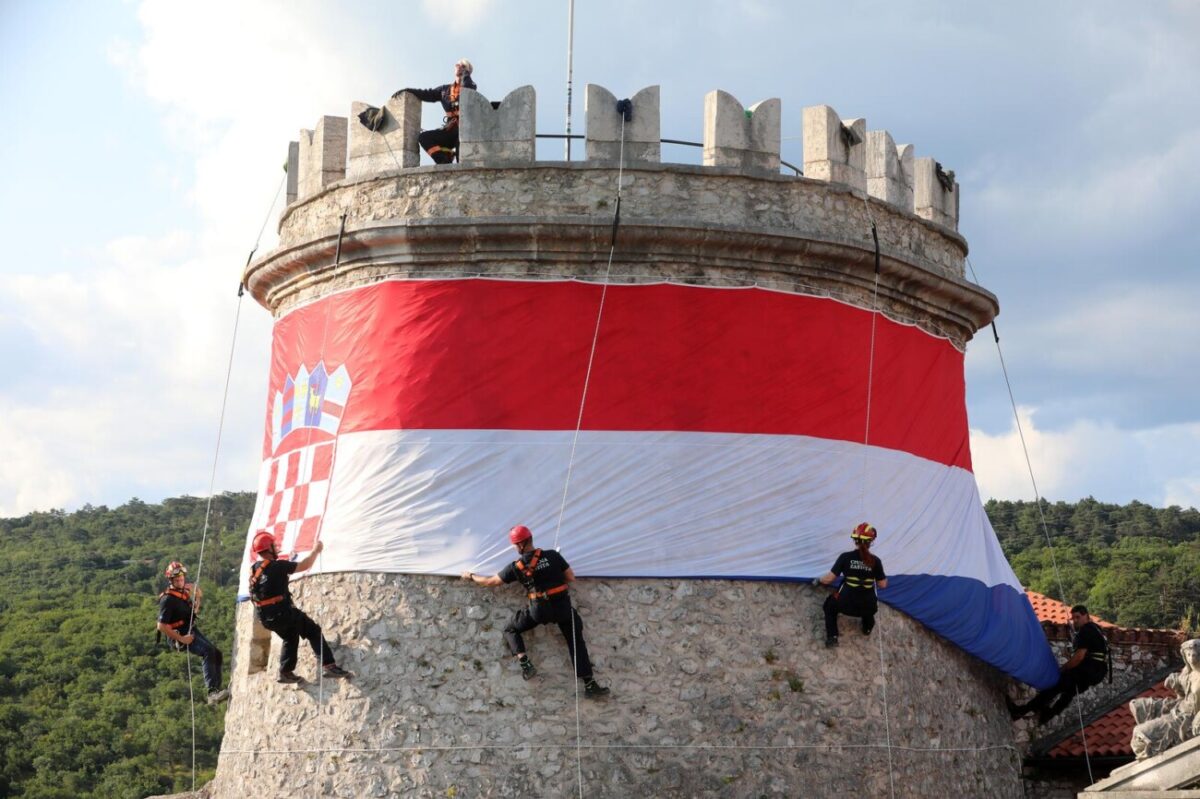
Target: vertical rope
[(1037, 498), (574, 444), (212, 480), (887, 727)]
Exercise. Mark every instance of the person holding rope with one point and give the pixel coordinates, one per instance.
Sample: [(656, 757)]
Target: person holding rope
[(861, 574), (178, 607), (1087, 666), (269, 577), (442, 143), (545, 574)]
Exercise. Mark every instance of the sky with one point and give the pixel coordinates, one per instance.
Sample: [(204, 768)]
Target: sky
[(145, 140)]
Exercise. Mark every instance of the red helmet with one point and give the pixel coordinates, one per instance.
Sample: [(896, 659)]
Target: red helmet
[(864, 533), (263, 542), (175, 568), (520, 533)]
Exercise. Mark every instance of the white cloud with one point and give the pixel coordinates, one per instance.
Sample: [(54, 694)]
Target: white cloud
[(460, 17), (1090, 459)]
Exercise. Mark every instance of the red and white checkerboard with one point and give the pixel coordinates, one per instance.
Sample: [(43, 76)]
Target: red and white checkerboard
[(292, 493)]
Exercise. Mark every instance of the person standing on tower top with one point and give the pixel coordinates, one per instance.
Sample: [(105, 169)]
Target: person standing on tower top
[(545, 575), (442, 143), (178, 607), (862, 573), (269, 577)]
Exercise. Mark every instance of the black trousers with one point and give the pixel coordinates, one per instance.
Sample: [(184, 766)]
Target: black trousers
[(1052, 701), (291, 624), (554, 611), (839, 603), (440, 143)]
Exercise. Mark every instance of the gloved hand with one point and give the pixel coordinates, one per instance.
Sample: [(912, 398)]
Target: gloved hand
[(817, 582)]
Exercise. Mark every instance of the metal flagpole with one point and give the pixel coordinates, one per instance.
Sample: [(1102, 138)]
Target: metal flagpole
[(570, 69)]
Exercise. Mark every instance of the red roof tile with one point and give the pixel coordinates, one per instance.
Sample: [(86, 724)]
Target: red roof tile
[(1051, 610), (1110, 734)]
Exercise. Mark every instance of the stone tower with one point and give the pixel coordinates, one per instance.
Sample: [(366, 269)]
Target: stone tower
[(721, 687)]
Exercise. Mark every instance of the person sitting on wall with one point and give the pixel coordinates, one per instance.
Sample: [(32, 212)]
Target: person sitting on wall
[(442, 143), (1087, 667), (862, 573), (269, 578), (545, 575), (178, 607)]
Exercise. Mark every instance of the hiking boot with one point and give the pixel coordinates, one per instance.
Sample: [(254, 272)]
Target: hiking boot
[(1015, 711), (527, 668), (867, 626), (593, 689), (831, 641), (334, 670), (220, 695), (289, 678)]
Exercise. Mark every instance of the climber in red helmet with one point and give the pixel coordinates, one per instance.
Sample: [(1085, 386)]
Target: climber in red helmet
[(178, 607), (273, 606), (861, 574), (545, 575)]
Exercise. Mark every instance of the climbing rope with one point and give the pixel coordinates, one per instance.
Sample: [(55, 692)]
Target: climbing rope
[(887, 727), (1037, 497), (622, 109), (213, 475)]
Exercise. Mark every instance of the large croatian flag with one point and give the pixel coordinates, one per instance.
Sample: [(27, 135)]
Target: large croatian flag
[(721, 435)]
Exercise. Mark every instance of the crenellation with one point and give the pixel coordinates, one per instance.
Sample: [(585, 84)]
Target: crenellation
[(743, 138), (604, 126), (292, 168), (504, 133), (393, 146), (746, 140), (935, 193), (834, 150), (322, 155), (887, 179)]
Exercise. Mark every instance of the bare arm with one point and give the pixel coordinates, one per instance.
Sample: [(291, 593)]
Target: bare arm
[(827, 578), (308, 561), (479, 579), (171, 633), (569, 574), (1075, 660), (881, 583)]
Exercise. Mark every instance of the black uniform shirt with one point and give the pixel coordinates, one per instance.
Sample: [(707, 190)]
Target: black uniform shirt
[(550, 571), (272, 581), (1090, 638), (860, 578), (442, 94), (175, 611)]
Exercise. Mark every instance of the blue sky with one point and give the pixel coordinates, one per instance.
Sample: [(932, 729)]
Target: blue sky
[(144, 141)]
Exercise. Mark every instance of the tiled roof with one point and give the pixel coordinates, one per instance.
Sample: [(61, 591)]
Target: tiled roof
[(1053, 611), (1055, 617), (1110, 734)]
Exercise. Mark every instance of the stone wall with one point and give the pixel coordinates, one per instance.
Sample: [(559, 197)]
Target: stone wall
[(719, 688)]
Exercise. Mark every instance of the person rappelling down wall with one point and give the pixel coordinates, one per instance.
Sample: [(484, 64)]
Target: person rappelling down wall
[(269, 578), (546, 575), (442, 143), (861, 574), (178, 607), (1087, 666)]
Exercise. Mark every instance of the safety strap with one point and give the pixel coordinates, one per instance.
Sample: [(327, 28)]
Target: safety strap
[(549, 592), (533, 562), (254, 575)]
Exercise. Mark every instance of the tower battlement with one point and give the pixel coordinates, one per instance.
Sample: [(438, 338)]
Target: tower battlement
[(745, 140)]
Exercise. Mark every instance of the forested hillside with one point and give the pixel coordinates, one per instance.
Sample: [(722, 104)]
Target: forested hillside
[(91, 706), (1134, 565)]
